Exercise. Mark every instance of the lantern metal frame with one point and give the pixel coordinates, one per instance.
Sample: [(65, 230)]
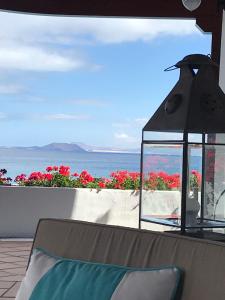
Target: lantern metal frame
[(194, 90)]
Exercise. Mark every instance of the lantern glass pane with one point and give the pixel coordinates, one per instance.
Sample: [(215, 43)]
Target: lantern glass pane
[(194, 138), (161, 183), (210, 138), (193, 200), (214, 199), (162, 136), (218, 138)]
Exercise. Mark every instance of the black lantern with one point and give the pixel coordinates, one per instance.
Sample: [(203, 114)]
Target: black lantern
[(183, 153)]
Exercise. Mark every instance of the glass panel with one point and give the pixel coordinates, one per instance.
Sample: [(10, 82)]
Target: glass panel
[(210, 138), (161, 183), (161, 136), (193, 200), (194, 138), (218, 138), (215, 183)]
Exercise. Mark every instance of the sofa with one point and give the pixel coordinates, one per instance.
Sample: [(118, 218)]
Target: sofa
[(202, 261)]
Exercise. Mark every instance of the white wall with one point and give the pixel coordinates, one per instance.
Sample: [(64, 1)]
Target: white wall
[(22, 207)]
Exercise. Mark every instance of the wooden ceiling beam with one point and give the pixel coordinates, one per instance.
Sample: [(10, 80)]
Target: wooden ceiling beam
[(110, 8)]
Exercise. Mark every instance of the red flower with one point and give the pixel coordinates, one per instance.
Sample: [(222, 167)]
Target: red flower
[(134, 175), (102, 185), (75, 174), (194, 172), (36, 176), (86, 177), (49, 169), (48, 177), (65, 171), (83, 173), (84, 182), (20, 177)]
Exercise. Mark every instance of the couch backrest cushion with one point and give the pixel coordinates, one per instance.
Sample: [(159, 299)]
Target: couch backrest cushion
[(57, 278), (203, 261)]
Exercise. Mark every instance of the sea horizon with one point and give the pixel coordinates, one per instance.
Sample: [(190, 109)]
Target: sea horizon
[(99, 164)]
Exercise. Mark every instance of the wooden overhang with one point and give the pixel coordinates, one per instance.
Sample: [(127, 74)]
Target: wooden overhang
[(208, 16)]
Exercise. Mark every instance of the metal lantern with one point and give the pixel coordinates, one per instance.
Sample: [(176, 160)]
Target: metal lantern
[(183, 153)]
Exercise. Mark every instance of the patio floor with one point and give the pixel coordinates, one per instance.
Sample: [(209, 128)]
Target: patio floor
[(13, 261)]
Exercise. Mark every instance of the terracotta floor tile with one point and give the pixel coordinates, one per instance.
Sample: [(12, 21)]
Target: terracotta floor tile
[(21, 264), (3, 273), (12, 278), (18, 253), (6, 285), (13, 290), (5, 265), (16, 271), (12, 259), (14, 256), (9, 245), (3, 291), (27, 248), (6, 250)]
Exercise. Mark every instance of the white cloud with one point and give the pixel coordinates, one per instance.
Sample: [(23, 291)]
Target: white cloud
[(11, 89), (64, 117), (121, 136), (130, 30), (131, 123), (35, 59), (126, 138), (66, 30), (129, 132), (141, 121), (31, 42)]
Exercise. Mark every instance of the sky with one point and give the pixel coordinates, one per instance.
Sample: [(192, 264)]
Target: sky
[(90, 80)]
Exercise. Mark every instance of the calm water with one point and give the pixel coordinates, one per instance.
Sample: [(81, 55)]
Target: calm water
[(98, 164)]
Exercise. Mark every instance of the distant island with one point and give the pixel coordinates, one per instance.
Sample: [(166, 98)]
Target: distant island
[(71, 148)]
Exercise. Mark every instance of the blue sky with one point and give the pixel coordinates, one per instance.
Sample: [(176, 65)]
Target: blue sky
[(90, 80)]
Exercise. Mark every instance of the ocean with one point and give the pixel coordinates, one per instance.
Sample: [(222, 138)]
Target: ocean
[(97, 163)]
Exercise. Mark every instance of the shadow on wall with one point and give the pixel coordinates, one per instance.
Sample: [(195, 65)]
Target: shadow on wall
[(103, 219)]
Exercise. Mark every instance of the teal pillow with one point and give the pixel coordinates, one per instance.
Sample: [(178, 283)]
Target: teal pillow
[(69, 279)]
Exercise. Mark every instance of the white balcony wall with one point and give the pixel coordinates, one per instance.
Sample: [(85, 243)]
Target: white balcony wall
[(22, 207)]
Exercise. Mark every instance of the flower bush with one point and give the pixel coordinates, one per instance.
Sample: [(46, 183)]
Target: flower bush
[(3, 179), (195, 179), (162, 181), (62, 176)]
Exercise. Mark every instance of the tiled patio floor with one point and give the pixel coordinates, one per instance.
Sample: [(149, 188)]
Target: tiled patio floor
[(13, 261)]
